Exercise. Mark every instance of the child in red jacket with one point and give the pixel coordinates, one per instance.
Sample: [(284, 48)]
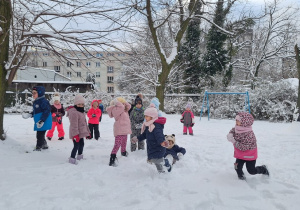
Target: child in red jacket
[(94, 115)]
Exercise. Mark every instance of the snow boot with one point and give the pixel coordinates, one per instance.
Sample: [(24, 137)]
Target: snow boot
[(112, 160), (61, 138), (45, 146), (124, 153), (168, 165), (242, 177), (263, 170), (79, 157), (37, 149), (49, 138), (191, 134), (73, 161), (184, 133)]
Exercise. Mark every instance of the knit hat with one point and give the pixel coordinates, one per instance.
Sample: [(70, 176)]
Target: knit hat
[(156, 102), (138, 101), (188, 106), (151, 112), (56, 98), (122, 100), (79, 99), (170, 138)]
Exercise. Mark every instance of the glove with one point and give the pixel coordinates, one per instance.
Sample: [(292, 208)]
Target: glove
[(40, 124), (165, 144), (76, 138), (138, 126), (59, 120), (192, 124), (230, 138), (93, 115), (57, 115), (26, 115), (88, 137), (53, 115), (180, 155), (134, 140), (182, 121)]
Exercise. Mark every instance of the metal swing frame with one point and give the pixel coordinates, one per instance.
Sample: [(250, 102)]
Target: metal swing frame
[(206, 96)]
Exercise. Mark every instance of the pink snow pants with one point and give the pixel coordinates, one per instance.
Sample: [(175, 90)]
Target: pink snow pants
[(60, 129), (120, 141), (187, 128)]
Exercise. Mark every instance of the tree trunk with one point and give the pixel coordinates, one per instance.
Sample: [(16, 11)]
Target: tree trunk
[(297, 52), (5, 14)]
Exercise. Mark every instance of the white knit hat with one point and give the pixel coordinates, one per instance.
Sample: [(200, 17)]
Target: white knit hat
[(56, 98)]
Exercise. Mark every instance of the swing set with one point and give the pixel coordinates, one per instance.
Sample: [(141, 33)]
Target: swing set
[(206, 96)]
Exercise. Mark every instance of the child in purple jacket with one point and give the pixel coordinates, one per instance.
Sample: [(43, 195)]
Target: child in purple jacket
[(245, 147)]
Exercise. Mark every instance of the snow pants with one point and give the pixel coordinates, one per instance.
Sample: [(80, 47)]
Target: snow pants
[(40, 139), (60, 129), (94, 128), (120, 140), (250, 165), (187, 128), (139, 144), (78, 146)]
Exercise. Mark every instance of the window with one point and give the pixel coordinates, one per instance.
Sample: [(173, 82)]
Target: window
[(97, 64), (44, 64), (110, 69), (57, 68), (110, 79), (98, 55), (110, 89), (78, 74), (69, 64), (88, 64), (97, 74), (78, 64), (45, 54), (98, 85), (110, 54), (69, 74)]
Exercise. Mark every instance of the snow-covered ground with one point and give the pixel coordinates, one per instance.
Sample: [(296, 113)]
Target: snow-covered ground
[(204, 179)]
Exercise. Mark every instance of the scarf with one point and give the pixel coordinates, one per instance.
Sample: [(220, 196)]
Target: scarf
[(79, 109), (241, 129), (57, 106), (149, 124)]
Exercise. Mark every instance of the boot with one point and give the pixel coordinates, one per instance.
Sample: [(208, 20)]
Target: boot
[(262, 170), (184, 133), (112, 160), (61, 138), (73, 161), (79, 157), (49, 138), (124, 153), (37, 149), (168, 165)]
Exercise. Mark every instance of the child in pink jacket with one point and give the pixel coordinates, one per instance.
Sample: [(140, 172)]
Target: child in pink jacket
[(94, 115), (78, 127), (119, 110), (187, 118), (245, 147)]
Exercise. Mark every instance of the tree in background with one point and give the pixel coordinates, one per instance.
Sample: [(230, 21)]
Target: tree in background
[(297, 53)]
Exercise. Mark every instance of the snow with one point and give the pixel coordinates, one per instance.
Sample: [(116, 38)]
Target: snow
[(203, 179), (293, 81)]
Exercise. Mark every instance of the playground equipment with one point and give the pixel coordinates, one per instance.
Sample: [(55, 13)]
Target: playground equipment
[(206, 96)]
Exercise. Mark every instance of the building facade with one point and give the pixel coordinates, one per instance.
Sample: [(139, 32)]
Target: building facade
[(101, 68)]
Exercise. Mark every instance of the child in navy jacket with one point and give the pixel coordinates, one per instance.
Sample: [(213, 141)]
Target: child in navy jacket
[(173, 152)]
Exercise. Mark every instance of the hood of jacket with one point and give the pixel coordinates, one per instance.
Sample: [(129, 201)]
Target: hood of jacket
[(40, 90), (95, 101), (246, 119), (161, 120)]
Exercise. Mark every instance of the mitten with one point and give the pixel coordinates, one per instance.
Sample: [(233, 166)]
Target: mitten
[(134, 140), (93, 115), (230, 138), (76, 138), (89, 137), (192, 124), (53, 114), (40, 124), (26, 115), (180, 155), (59, 120), (165, 144), (181, 120)]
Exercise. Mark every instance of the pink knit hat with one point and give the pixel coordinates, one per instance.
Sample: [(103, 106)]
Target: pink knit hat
[(79, 99), (151, 112)]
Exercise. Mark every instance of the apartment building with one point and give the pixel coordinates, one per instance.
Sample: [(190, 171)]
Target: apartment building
[(101, 68)]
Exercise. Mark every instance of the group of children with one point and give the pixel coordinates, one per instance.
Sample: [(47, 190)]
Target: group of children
[(141, 124)]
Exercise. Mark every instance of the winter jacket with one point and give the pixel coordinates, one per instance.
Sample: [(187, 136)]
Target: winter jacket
[(55, 111), (154, 139), (188, 118), (137, 118), (101, 107), (97, 112), (41, 110), (78, 124), (245, 147), (174, 151), (122, 121)]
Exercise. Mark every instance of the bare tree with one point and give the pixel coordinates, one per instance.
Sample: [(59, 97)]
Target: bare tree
[(54, 25), (297, 53)]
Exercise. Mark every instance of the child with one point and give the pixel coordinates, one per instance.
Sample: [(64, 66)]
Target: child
[(245, 148), (156, 102), (173, 151), (58, 112), (137, 119), (101, 107), (94, 115), (152, 130), (119, 110), (78, 127), (187, 118), (41, 115)]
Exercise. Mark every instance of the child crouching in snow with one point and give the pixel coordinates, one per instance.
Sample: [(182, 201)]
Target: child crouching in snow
[(173, 152), (118, 109), (78, 127), (152, 130), (245, 148)]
